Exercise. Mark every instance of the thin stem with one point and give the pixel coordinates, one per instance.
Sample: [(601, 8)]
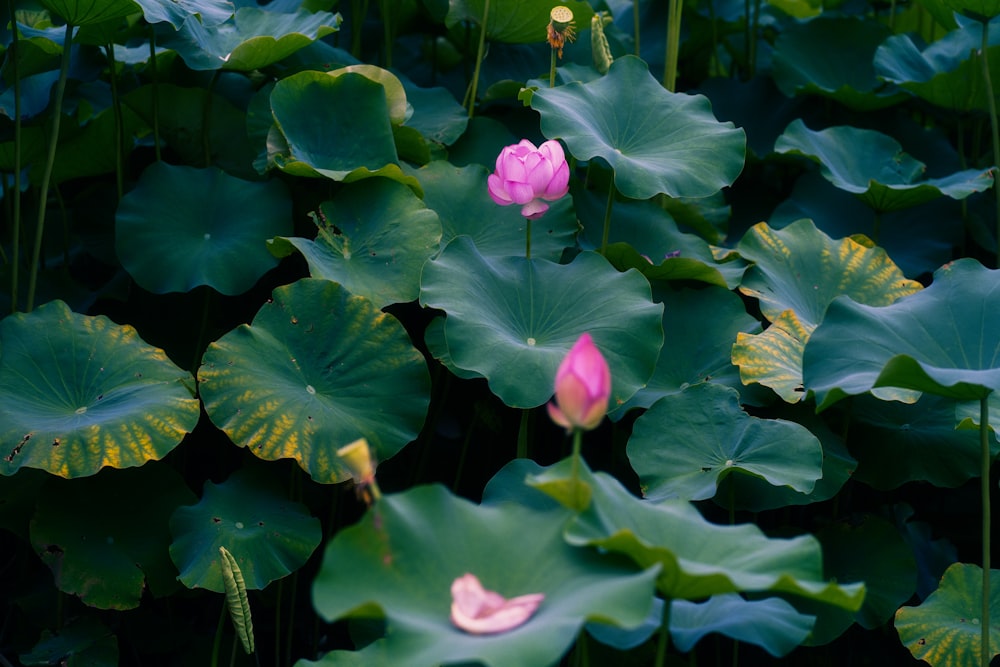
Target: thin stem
[(892, 15), (480, 52), (116, 105), (16, 222), (527, 242), (552, 70), (217, 644), (673, 44), (984, 448), (635, 24), (156, 92), (359, 10), (522, 435), (607, 217), (575, 467), (993, 126), (387, 34), (50, 162), (206, 120), (664, 640), (753, 37)]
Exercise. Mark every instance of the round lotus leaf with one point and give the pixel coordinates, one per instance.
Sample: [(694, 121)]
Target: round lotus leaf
[(686, 443), (656, 141), (176, 12), (771, 623), (79, 393), (374, 237), (86, 12), (316, 369), (105, 537), (269, 535), (182, 227), (512, 320), (400, 560), (514, 21), (944, 630)]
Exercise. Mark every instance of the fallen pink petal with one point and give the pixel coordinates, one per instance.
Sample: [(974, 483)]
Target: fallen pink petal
[(481, 612)]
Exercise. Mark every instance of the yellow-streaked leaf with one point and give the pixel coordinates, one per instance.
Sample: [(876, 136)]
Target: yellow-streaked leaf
[(774, 358)]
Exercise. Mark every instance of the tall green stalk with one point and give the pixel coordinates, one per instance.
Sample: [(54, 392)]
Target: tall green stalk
[(16, 217), (635, 24), (664, 640), (995, 131), (116, 106), (50, 161), (985, 455), (480, 52), (384, 8), (673, 44), (155, 97)]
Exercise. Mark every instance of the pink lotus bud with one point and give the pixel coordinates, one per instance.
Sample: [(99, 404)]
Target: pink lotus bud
[(481, 612), (583, 386), (526, 175)]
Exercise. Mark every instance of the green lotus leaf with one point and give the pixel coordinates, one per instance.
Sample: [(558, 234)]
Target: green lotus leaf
[(437, 345), (755, 494), (82, 641), (78, 393), (269, 535), (655, 141), (215, 234), (253, 38), (873, 166), (375, 236), (514, 21), (944, 73), (942, 340), (88, 150), (316, 369), (87, 12), (105, 537), (400, 560), (980, 10), (944, 630), (347, 141), (459, 196), (802, 62), (771, 623), (395, 95), (686, 443), (176, 12), (699, 559), (898, 443), (701, 325), (797, 272), (436, 114), (512, 320)]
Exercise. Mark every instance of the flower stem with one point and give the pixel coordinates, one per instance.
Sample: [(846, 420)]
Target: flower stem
[(155, 97), (664, 640), (984, 448), (387, 31), (673, 44), (575, 467), (994, 130), (116, 105), (16, 222), (552, 70), (50, 162), (527, 243), (607, 217), (635, 24), (522, 435), (479, 58)]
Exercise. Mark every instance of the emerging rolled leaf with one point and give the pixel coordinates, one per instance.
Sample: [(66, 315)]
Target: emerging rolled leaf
[(236, 599)]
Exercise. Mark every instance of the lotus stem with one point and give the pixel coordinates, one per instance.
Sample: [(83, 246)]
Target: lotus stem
[(522, 435), (359, 10), (994, 131), (673, 44), (664, 640), (480, 51), (155, 99), (16, 217), (50, 162), (607, 217), (575, 467), (552, 70), (387, 28), (635, 24), (984, 448), (116, 106), (527, 242)]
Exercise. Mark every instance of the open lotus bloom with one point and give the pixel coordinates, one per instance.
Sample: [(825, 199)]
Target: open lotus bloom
[(530, 176), (583, 387), (481, 612)]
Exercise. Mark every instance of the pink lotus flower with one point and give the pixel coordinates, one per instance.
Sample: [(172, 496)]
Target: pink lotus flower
[(583, 386), (481, 612), (527, 175)]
